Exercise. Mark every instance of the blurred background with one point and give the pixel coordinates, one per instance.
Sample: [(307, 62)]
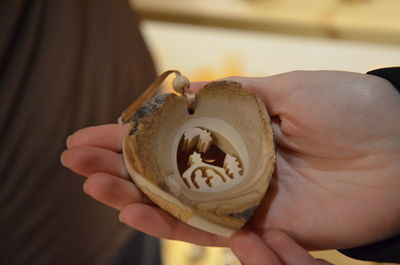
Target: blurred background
[(209, 39)]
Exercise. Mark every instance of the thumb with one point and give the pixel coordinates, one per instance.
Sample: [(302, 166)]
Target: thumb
[(288, 250), (251, 250), (271, 90), (275, 248)]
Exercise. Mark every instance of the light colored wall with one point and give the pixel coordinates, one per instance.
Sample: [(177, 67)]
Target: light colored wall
[(208, 52)]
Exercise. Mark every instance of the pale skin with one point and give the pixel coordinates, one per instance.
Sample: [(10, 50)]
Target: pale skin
[(336, 183), (275, 248)]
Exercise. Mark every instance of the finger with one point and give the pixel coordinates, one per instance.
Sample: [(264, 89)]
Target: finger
[(251, 250), (322, 262), (195, 86), (113, 191), (273, 90), (156, 222), (107, 136), (87, 160), (288, 251)]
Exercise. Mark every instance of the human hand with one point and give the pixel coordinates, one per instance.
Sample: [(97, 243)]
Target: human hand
[(276, 248), (338, 147), (336, 181)]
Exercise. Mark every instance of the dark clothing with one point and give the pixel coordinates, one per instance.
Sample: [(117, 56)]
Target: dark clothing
[(392, 74), (64, 65), (141, 250), (387, 250)]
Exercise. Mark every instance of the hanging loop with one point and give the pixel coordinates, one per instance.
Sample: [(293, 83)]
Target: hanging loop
[(180, 84)]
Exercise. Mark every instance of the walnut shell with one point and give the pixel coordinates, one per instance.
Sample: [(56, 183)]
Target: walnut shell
[(210, 169)]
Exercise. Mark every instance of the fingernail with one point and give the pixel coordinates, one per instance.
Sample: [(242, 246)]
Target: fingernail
[(68, 141), (121, 218), (85, 188), (62, 159)]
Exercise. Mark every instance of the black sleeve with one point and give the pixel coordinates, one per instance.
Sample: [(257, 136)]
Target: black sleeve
[(387, 250), (392, 74)]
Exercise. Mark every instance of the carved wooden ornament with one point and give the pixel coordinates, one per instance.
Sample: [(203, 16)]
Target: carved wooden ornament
[(210, 168)]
